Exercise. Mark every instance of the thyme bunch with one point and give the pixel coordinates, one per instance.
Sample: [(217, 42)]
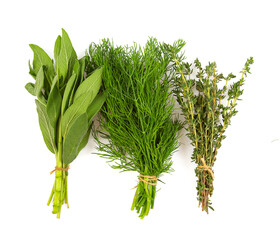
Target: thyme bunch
[(208, 110), (136, 119)]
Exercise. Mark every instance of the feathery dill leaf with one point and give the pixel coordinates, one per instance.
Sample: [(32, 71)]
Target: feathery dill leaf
[(136, 120)]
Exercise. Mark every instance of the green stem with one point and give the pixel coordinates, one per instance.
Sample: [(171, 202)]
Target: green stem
[(66, 189), (51, 196), (143, 199), (148, 188), (135, 198), (59, 192), (57, 200)]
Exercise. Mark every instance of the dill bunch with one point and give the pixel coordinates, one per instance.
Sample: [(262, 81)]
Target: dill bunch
[(136, 120), (208, 110)]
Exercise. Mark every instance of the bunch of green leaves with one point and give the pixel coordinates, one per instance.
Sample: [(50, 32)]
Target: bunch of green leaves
[(66, 103), (136, 120), (208, 110)]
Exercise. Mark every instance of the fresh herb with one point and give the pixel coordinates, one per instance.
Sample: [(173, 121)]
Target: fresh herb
[(208, 110), (66, 103), (137, 115)]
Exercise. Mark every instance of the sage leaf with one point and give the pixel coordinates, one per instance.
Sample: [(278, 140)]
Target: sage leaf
[(76, 70), (30, 87), (84, 96), (67, 55), (67, 93), (66, 47), (45, 126), (83, 62), (86, 93), (40, 59), (96, 105), (74, 137), (91, 85), (54, 103), (84, 140), (39, 85), (57, 47), (76, 109), (31, 71)]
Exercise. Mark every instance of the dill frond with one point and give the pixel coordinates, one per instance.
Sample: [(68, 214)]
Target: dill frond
[(137, 130)]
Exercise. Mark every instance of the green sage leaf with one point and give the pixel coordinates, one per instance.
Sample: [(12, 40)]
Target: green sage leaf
[(41, 58), (84, 140), (45, 126), (73, 138), (31, 71), (76, 70), (96, 105), (30, 87), (39, 85), (83, 98), (91, 85), (57, 47), (67, 56), (67, 92), (83, 62), (76, 109), (54, 103)]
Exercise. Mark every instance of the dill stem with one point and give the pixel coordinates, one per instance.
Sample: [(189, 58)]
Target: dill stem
[(135, 198), (148, 204)]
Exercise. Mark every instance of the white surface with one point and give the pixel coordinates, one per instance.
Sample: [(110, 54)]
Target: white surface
[(246, 196)]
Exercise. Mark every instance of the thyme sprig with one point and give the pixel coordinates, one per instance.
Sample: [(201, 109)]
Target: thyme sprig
[(136, 119), (208, 110)]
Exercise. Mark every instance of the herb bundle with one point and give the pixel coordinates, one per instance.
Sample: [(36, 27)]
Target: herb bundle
[(66, 103), (208, 110), (136, 119)]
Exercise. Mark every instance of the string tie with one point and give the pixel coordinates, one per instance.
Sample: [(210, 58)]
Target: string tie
[(205, 167), (60, 169), (152, 180)]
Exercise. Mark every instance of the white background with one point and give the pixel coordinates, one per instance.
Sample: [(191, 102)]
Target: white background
[(246, 196)]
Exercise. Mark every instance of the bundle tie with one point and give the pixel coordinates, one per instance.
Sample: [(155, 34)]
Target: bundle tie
[(152, 180), (60, 169), (205, 167)]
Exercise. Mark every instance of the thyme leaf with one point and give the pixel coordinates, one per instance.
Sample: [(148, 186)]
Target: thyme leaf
[(208, 110)]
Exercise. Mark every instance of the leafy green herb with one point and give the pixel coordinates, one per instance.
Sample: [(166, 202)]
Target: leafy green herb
[(66, 104), (208, 110), (136, 118)]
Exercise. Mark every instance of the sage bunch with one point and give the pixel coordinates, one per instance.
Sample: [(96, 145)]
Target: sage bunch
[(208, 109), (66, 102), (137, 130)]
